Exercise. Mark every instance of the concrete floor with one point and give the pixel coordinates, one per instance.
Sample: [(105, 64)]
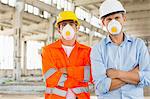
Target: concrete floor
[(5, 96), (8, 96)]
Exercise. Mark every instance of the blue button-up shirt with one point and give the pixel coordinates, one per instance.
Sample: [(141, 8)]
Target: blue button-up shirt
[(130, 53)]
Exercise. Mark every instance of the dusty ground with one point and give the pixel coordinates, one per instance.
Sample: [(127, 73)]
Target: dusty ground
[(8, 96), (4, 96)]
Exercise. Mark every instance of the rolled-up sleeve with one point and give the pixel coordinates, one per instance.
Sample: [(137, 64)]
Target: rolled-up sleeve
[(144, 63), (101, 81)]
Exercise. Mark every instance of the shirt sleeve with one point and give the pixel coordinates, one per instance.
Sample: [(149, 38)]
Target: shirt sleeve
[(87, 68), (50, 73), (101, 81), (144, 65)]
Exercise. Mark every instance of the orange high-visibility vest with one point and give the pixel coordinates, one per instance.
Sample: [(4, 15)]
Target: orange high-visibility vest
[(78, 71)]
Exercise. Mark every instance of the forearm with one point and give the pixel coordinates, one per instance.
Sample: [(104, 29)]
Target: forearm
[(129, 77), (80, 73), (116, 83)]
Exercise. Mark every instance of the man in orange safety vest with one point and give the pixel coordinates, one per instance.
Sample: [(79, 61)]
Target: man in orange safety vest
[(66, 63)]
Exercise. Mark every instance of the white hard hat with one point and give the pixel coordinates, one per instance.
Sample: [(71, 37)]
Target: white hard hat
[(110, 6)]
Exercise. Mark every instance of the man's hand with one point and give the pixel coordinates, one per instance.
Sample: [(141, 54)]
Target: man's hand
[(136, 69), (112, 73), (116, 83), (63, 70)]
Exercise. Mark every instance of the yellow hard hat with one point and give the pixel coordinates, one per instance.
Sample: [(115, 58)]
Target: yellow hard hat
[(67, 15)]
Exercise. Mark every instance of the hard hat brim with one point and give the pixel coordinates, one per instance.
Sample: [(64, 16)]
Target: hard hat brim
[(57, 23), (112, 14)]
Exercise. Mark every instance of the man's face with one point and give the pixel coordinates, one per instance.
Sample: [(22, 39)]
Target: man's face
[(120, 17), (68, 35)]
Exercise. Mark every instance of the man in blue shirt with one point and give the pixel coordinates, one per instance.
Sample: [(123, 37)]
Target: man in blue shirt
[(120, 64)]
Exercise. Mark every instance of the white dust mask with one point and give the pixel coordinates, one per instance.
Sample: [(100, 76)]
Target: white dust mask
[(68, 32), (114, 27)]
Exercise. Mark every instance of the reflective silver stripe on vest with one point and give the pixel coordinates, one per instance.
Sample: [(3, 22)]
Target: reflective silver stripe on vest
[(49, 73), (79, 90), (86, 73), (56, 91), (62, 80)]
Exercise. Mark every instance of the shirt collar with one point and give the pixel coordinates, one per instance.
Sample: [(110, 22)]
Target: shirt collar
[(127, 39), (58, 44), (108, 40)]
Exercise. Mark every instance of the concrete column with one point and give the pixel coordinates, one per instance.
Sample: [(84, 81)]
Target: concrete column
[(51, 30), (17, 39), (73, 7), (45, 41), (24, 65), (91, 34)]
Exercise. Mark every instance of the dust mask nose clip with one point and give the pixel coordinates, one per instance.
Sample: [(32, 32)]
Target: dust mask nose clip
[(114, 27), (68, 32)]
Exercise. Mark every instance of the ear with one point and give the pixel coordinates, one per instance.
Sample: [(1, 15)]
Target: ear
[(125, 18), (58, 29), (78, 27), (102, 22)]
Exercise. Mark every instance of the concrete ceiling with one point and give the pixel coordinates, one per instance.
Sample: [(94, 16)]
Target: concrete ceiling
[(34, 27)]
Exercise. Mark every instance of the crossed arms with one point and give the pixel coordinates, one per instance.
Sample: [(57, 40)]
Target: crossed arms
[(120, 78)]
